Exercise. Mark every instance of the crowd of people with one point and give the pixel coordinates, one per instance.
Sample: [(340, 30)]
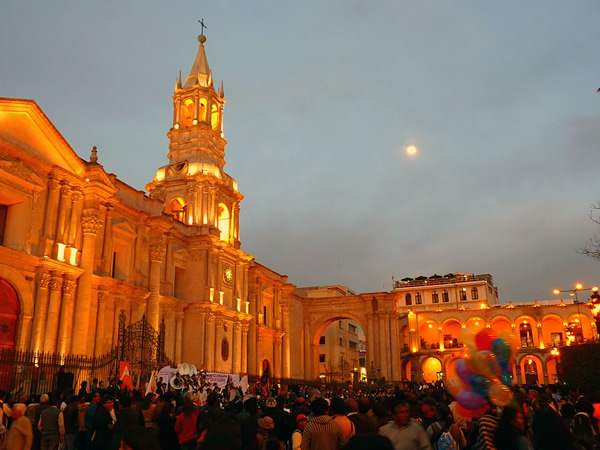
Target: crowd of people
[(407, 417)]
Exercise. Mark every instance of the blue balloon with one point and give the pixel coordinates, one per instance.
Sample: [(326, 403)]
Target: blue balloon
[(461, 370), (480, 384), (507, 379)]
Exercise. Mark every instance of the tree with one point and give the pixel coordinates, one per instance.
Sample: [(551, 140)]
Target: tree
[(592, 246)]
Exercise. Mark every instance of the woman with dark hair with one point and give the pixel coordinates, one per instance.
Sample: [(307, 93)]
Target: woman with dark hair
[(510, 434), (550, 431), (166, 428), (444, 429), (104, 423)]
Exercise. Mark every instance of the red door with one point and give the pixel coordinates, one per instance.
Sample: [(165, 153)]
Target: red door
[(9, 313)]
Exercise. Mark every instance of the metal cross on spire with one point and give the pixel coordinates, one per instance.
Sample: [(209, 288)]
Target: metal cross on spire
[(201, 22)]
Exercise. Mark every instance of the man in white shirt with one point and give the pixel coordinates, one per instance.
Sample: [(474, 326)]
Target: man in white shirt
[(404, 433)]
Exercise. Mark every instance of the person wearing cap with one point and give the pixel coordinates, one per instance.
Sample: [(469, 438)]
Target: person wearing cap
[(281, 418), (20, 433), (301, 421)]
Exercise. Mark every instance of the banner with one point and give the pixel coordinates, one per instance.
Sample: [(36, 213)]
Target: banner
[(166, 373), (125, 375)]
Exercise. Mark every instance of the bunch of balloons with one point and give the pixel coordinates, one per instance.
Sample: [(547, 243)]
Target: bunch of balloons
[(485, 373)]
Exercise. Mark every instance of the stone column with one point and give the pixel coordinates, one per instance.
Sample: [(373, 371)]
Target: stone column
[(259, 353), (50, 220), (237, 347), (107, 258), (285, 310), (383, 348), (120, 304), (277, 357), (63, 210), (156, 254), (315, 362), (209, 342), (178, 337), (244, 367), (541, 343), (90, 222), (370, 342), (41, 308), (53, 312), (395, 354), (71, 251), (170, 331), (101, 318), (307, 349), (66, 316)]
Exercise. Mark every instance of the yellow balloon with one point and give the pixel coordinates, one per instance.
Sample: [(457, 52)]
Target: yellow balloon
[(500, 395), (454, 385)]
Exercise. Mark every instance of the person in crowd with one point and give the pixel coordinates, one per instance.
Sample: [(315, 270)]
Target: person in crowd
[(165, 422), (511, 431), (104, 423), (274, 409), (445, 429), (338, 411), (404, 433), (35, 418), (583, 426), (296, 439), (185, 425), (20, 433), (361, 424), (90, 413), (428, 412), (322, 431), (128, 418), (71, 420), (51, 426), (266, 425), (550, 431)]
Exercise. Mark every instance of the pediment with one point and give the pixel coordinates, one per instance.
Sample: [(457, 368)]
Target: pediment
[(33, 138)]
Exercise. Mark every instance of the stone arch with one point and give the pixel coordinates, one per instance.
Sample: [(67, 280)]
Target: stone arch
[(583, 320), (450, 330), (429, 334), (430, 366), (9, 315), (449, 366), (526, 331), (177, 207), (530, 364), (500, 323), (553, 330), (475, 323)]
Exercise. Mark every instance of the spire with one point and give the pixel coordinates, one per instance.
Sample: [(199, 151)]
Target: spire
[(200, 73)]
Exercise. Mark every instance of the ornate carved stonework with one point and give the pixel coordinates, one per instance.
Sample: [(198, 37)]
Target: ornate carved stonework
[(157, 252), (76, 196), (68, 286), (55, 283), (43, 281), (91, 222)]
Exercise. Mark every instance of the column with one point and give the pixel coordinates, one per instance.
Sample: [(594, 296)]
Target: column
[(170, 331), (245, 328), (209, 342), (178, 337), (53, 312), (285, 310), (120, 304), (307, 349), (76, 197), (370, 342), (41, 308), (541, 342), (63, 210), (383, 348), (90, 223), (393, 318), (107, 258), (50, 219), (237, 347), (156, 254), (66, 316), (315, 362), (277, 356), (259, 353), (101, 318), (217, 344)]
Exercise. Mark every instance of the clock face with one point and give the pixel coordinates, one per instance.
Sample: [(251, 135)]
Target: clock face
[(228, 274)]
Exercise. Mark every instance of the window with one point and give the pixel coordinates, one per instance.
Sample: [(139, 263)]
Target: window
[(474, 293), (408, 300), (463, 294), (445, 298), (353, 345), (341, 342), (418, 299), (322, 340), (264, 315), (435, 298), (352, 328), (322, 357), (340, 325)]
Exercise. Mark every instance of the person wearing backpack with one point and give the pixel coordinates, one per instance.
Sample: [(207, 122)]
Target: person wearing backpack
[(295, 442), (444, 433)]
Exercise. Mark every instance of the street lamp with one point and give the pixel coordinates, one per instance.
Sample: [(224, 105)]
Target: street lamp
[(594, 304)]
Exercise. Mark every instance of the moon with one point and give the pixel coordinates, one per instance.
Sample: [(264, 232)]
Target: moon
[(411, 150)]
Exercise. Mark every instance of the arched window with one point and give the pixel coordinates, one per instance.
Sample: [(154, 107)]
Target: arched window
[(435, 298), (188, 113), (223, 223), (474, 293), (214, 117), (418, 299), (463, 294), (9, 315), (202, 110), (408, 300), (177, 208), (526, 334)]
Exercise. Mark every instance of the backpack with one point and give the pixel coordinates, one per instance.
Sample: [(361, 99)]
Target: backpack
[(446, 442)]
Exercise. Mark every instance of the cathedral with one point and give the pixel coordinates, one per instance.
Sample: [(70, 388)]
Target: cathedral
[(80, 249)]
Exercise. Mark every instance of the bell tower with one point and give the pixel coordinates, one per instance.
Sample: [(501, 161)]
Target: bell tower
[(194, 188)]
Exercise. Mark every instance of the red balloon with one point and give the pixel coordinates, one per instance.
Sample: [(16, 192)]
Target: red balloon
[(484, 339), (470, 413)]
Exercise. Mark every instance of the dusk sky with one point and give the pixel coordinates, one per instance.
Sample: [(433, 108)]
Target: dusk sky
[(323, 97)]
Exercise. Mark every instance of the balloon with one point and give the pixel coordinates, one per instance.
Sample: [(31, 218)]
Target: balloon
[(501, 349), (467, 337), (507, 379), (454, 386), (484, 339), (470, 400), (462, 371), (470, 412), (481, 364), (500, 395), (480, 384)]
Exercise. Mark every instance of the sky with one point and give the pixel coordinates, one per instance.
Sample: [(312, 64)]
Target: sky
[(323, 97)]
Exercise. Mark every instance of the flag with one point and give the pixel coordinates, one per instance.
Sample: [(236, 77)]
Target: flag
[(151, 384), (125, 375)]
